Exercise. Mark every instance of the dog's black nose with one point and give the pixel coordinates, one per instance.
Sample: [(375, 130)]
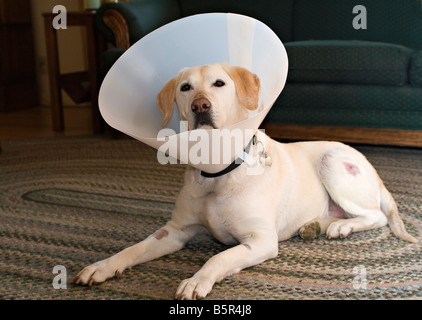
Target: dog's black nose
[(200, 105)]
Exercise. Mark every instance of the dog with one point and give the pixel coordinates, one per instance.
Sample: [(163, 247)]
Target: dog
[(307, 189)]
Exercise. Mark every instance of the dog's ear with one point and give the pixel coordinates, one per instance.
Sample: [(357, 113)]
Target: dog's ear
[(248, 86), (165, 100)]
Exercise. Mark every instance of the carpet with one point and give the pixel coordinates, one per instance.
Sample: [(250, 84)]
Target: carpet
[(68, 202)]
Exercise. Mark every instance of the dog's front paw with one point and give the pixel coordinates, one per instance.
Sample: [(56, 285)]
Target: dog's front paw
[(193, 288), (97, 272)]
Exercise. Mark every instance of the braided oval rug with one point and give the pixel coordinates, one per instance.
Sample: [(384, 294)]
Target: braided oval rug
[(68, 202)]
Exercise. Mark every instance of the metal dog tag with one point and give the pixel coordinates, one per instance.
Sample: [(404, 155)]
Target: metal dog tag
[(265, 159)]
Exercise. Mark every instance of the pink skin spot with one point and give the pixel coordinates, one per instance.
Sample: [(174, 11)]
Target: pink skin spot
[(351, 168), (247, 246), (160, 234)]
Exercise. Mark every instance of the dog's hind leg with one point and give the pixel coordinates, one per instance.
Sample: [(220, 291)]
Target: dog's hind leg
[(353, 185), (320, 225), (316, 227), (369, 219)]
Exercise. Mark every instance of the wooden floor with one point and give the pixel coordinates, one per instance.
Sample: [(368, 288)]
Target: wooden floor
[(37, 122)]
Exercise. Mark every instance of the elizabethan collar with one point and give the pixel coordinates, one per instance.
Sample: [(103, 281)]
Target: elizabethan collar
[(129, 91)]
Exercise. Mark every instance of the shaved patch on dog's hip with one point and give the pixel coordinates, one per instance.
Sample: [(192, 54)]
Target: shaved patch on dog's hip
[(351, 168)]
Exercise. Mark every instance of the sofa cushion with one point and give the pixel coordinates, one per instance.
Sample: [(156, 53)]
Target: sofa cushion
[(392, 21), (277, 14), (355, 62), (348, 105), (415, 72)]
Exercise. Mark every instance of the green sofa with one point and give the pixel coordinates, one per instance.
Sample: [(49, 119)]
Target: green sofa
[(345, 82)]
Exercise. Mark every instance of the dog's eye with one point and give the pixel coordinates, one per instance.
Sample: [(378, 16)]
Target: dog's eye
[(185, 87), (219, 83)]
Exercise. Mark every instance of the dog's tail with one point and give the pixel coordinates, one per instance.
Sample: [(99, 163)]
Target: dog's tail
[(389, 207)]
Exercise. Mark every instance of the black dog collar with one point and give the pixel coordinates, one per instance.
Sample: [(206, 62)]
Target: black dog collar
[(232, 166)]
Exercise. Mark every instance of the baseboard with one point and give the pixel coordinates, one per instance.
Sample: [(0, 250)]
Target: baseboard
[(388, 137)]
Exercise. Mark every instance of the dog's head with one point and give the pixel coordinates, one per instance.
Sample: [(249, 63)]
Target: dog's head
[(211, 96)]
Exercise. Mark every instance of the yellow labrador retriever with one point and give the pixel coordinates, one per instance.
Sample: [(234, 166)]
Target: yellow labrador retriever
[(308, 188)]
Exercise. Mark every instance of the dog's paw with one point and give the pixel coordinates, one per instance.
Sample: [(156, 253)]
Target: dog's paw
[(310, 230), (97, 272), (339, 229), (193, 288)]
